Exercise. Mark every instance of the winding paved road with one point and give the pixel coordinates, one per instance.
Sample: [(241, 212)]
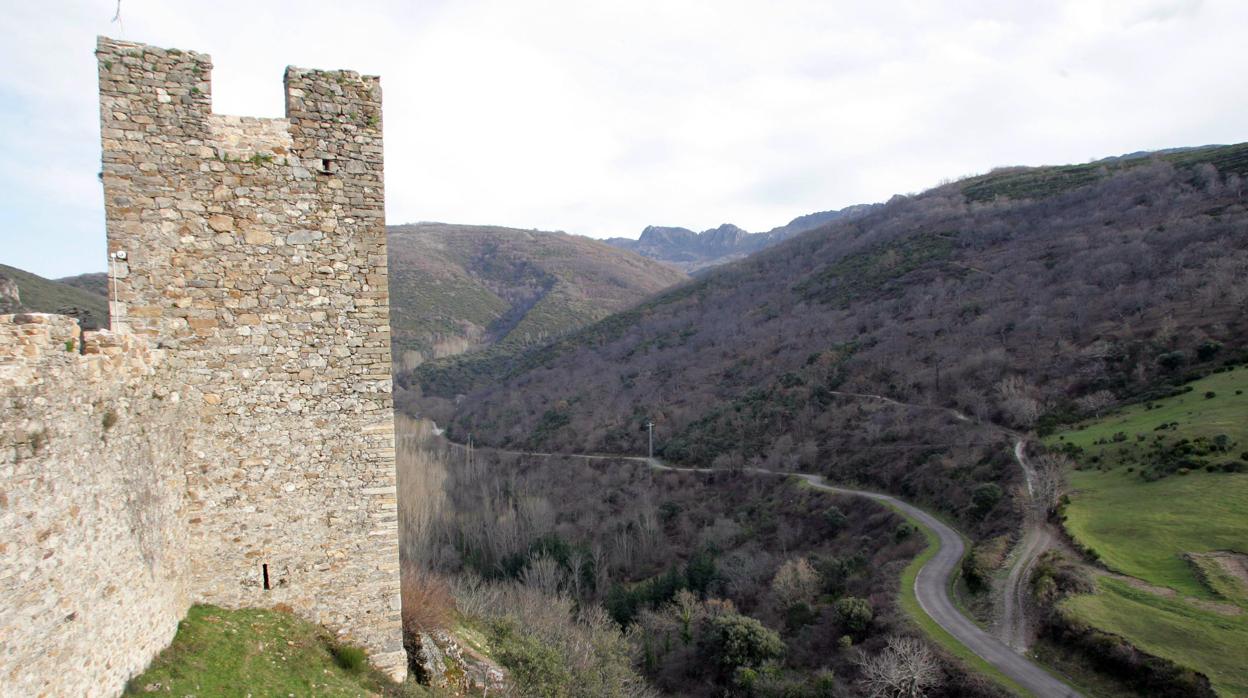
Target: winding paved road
[(1014, 628), (931, 585)]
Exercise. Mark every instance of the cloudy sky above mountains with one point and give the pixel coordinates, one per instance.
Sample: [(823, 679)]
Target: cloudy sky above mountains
[(600, 118)]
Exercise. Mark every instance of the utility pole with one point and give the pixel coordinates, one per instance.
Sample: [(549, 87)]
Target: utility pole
[(114, 306), (650, 427)]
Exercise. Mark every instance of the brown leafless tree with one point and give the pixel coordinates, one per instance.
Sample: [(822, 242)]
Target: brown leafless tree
[(906, 668)]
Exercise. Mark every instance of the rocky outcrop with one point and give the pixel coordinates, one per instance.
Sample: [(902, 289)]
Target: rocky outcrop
[(10, 297), (693, 252), (441, 661)]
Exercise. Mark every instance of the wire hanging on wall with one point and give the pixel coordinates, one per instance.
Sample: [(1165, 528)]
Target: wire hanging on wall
[(117, 18)]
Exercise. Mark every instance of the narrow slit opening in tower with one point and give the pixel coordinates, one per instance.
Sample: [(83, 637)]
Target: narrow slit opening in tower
[(264, 568), (327, 166)]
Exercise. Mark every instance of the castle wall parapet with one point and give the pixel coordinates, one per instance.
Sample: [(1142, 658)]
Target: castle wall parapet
[(92, 513)]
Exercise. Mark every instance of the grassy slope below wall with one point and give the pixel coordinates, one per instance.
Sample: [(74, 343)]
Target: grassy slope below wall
[(260, 652), (1144, 529)]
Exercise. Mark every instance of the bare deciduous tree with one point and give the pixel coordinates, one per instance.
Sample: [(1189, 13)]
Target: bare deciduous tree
[(1049, 469), (905, 669), (1095, 403), (1018, 401), (543, 573), (795, 582)]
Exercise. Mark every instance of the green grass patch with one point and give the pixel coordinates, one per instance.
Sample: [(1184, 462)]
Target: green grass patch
[(1128, 436), (1206, 641), (1223, 583), (258, 652), (1146, 527), (1143, 528)]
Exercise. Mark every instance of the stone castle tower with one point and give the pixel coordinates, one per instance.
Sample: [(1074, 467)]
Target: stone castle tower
[(254, 250), (231, 441)]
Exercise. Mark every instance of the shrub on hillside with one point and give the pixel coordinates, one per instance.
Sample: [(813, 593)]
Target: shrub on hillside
[(730, 641), (835, 518), (1207, 349), (353, 659), (1171, 360), (536, 667), (973, 571), (984, 498), (834, 572), (549, 645), (854, 614), (903, 531), (427, 601)]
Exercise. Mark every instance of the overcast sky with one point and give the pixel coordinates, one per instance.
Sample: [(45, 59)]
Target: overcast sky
[(601, 118)]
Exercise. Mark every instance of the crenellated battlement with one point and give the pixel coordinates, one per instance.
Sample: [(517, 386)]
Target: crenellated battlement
[(237, 420), (242, 138), (35, 345)]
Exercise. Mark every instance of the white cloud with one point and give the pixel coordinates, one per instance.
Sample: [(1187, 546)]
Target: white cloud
[(602, 117)]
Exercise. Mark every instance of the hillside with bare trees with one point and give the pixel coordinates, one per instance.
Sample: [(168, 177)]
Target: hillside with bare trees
[(721, 583), (460, 288), (894, 350)]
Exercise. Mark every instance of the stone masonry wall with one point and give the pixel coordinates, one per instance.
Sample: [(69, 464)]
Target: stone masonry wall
[(231, 441), (93, 565), (254, 252)]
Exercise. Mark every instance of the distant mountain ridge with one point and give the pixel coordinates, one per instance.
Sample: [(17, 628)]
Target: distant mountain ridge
[(693, 251), (21, 291), (458, 288)]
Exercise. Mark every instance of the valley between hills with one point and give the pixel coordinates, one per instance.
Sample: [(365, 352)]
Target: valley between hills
[(988, 439), (987, 317)]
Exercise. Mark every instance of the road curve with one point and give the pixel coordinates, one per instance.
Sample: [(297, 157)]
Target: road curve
[(931, 584), (931, 587)]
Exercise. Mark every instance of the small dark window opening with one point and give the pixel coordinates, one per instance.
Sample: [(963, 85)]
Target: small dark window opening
[(265, 569), (328, 166)]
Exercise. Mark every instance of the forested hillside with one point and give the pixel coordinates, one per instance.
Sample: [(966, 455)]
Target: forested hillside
[(1023, 298), (93, 282), (455, 288), (536, 548)]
